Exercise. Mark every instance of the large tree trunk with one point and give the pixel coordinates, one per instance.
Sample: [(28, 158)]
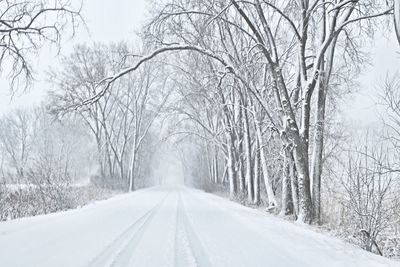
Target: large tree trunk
[(317, 163), (294, 185), (305, 204), (287, 204)]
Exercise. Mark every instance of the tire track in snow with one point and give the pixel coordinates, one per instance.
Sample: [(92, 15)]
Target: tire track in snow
[(183, 256), (188, 242), (120, 250)]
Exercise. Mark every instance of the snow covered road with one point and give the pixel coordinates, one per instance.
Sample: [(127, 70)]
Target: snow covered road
[(171, 226)]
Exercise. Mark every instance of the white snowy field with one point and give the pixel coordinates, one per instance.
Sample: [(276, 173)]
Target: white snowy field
[(171, 226)]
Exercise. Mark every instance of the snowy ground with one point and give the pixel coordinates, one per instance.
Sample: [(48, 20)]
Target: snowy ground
[(171, 226)]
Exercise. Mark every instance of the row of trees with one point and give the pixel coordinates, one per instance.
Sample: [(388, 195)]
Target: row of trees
[(254, 106), (256, 74), (121, 120), (49, 152), (257, 85), (260, 74)]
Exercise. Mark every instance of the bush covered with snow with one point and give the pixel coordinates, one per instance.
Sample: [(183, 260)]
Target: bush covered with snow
[(31, 201)]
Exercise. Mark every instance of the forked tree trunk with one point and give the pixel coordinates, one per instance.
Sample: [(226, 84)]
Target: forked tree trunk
[(318, 148)]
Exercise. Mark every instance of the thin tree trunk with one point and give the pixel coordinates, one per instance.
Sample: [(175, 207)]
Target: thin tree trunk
[(210, 163), (239, 153), (121, 173), (264, 167), (223, 180), (216, 166), (131, 173), (240, 165), (247, 145), (231, 167), (256, 175)]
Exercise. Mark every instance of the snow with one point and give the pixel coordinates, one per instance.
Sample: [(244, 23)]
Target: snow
[(172, 226)]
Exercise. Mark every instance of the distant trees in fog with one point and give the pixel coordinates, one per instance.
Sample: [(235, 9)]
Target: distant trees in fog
[(119, 121)]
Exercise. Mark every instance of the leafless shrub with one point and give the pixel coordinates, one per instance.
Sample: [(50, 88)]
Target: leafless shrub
[(369, 190)]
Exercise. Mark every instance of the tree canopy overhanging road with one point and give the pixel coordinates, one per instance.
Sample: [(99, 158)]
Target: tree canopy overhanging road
[(250, 100)]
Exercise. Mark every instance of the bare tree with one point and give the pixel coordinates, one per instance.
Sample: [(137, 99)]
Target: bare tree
[(370, 194), (42, 158), (266, 51), (18, 132), (120, 121), (25, 27)]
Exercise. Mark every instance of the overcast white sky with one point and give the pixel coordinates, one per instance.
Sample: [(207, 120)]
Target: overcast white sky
[(385, 53), (113, 21)]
